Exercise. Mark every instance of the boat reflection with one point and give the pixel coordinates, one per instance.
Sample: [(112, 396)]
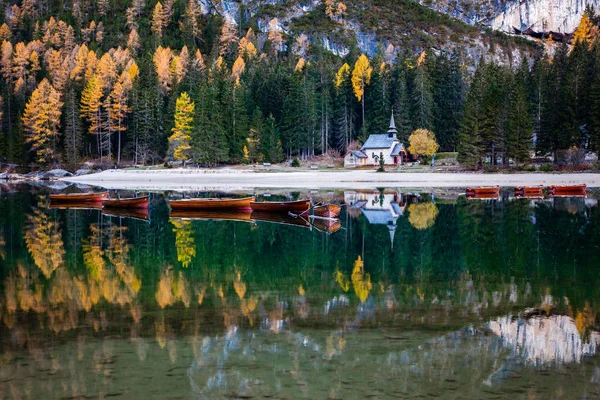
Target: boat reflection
[(134, 213)]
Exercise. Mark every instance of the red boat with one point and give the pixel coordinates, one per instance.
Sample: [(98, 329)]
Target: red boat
[(295, 207), (567, 191), (134, 202), (136, 213), (328, 226), (279, 218), (327, 211), (212, 215), (525, 191), (485, 191), (212, 204), (89, 197), (73, 205)]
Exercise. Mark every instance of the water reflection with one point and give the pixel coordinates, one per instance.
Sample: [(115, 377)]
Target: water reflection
[(410, 296)]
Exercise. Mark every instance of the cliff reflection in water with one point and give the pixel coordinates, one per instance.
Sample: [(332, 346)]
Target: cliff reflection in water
[(417, 294)]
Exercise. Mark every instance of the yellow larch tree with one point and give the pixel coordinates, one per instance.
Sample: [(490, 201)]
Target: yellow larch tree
[(361, 281), (162, 65), (159, 21), (300, 65), (41, 121), (44, 242), (238, 68), (583, 33), (90, 109), (179, 141), (342, 75), (361, 77), (6, 61), (184, 241), (227, 38), (423, 143), (133, 41), (246, 48), (5, 32), (119, 110)]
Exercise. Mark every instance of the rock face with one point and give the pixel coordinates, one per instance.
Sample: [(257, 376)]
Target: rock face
[(542, 15)]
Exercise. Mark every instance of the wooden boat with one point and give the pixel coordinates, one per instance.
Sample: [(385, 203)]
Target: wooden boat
[(135, 213), (529, 191), (133, 202), (70, 205), (89, 197), (328, 225), (212, 204), (216, 215), (483, 190), (295, 207), (483, 196), (279, 218), (567, 191), (327, 211)]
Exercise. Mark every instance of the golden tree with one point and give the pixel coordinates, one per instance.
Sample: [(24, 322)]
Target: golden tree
[(44, 242), (238, 68), (342, 75), (162, 65), (184, 241), (275, 36), (422, 215), (159, 20), (361, 281), (41, 121), (423, 143), (583, 33), (179, 141), (90, 109), (119, 110), (361, 77)]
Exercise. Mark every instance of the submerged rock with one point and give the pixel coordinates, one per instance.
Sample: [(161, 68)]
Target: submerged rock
[(55, 173)]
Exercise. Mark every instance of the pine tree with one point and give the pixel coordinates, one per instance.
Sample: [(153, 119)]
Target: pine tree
[(422, 99), (270, 142), (41, 121), (400, 103), (73, 128), (471, 147), (520, 126)]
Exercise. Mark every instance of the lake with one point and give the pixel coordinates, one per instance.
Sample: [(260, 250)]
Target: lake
[(411, 295)]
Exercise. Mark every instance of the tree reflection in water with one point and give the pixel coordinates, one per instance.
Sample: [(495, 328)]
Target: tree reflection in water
[(474, 298)]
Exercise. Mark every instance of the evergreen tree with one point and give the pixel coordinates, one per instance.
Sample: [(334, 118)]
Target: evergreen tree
[(73, 128), (270, 142), (422, 99), (520, 127), (400, 103), (471, 148)]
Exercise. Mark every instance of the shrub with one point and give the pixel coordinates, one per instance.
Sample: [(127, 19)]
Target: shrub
[(529, 168), (295, 162), (546, 168)]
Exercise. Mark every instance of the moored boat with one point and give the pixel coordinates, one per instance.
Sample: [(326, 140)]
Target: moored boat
[(483, 191), (327, 211), (529, 191), (212, 215), (133, 202), (567, 191), (212, 204), (296, 207), (73, 205), (135, 213), (328, 225), (279, 218), (89, 197)]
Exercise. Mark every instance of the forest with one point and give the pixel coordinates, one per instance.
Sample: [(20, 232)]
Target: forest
[(123, 82)]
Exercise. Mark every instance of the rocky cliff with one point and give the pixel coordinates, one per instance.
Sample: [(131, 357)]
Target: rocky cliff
[(539, 15)]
